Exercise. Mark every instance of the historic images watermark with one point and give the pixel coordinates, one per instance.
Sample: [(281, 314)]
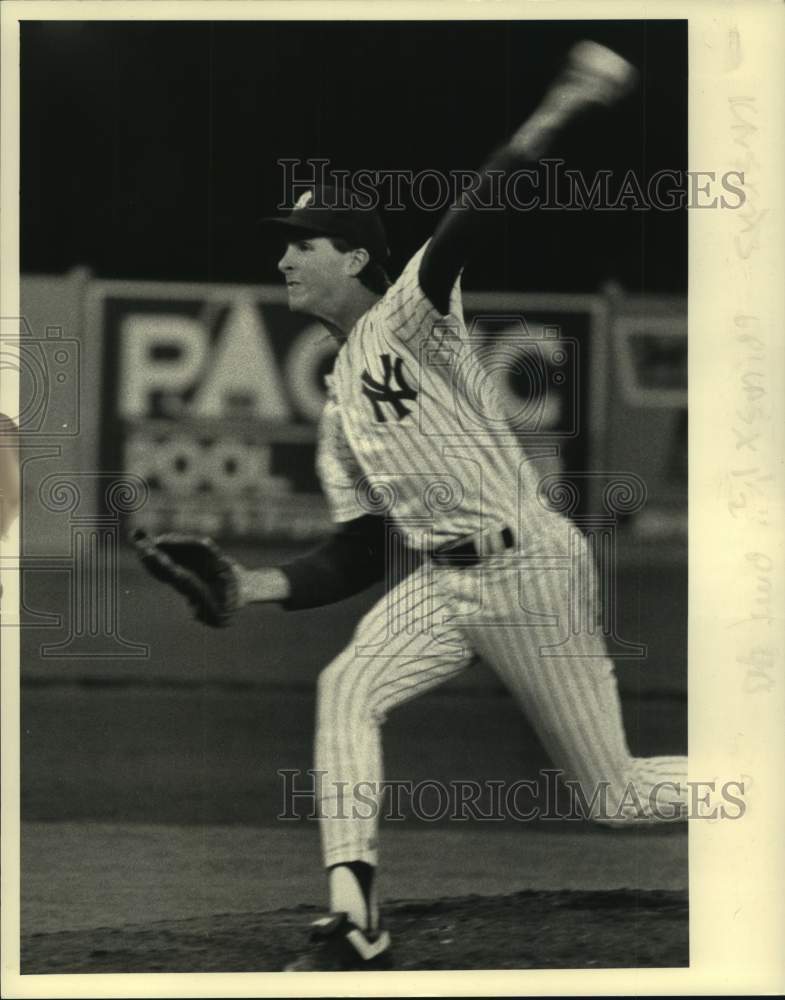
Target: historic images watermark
[(548, 186), (308, 795)]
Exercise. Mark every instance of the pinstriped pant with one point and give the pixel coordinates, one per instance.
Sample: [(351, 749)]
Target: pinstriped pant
[(430, 628)]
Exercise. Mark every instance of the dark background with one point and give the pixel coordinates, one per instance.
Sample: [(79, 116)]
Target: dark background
[(149, 149)]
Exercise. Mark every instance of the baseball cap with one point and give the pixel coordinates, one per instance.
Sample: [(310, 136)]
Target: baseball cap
[(322, 210)]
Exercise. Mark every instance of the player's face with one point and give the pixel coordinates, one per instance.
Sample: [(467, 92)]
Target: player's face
[(316, 276)]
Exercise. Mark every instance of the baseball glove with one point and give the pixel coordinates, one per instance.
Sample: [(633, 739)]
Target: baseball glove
[(197, 568)]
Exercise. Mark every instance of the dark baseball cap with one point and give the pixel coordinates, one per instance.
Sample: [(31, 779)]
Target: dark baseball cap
[(328, 211)]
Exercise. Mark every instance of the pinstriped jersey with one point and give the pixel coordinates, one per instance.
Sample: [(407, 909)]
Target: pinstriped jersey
[(411, 426)]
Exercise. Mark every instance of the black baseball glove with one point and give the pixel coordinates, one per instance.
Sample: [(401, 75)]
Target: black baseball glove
[(197, 568)]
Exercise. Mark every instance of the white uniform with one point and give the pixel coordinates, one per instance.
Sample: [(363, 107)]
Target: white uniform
[(401, 434)]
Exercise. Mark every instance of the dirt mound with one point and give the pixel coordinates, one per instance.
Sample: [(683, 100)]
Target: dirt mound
[(527, 930)]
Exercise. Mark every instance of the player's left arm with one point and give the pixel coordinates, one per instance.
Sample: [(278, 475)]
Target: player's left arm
[(595, 77), (348, 562)]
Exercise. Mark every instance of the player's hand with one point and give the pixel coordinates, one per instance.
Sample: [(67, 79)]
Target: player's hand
[(196, 568), (594, 77)]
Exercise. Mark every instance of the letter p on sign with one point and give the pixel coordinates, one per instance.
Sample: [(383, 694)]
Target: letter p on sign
[(159, 353)]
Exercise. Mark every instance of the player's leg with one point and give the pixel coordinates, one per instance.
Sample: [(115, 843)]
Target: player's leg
[(571, 700), (399, 651)]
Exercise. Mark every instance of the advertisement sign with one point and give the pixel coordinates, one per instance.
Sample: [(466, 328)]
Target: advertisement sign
[(211, 395)]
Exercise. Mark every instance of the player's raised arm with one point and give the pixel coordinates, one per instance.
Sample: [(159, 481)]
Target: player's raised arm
[(594, 77)]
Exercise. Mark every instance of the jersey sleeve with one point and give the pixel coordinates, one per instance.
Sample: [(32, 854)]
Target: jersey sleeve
[(348, 562), (338, 470), (409, 314)]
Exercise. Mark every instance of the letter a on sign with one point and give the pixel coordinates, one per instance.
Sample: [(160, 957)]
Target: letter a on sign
[(243, 369)]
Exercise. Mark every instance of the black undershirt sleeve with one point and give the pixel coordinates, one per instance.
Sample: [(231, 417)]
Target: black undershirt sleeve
[(349, 561), (459, 234)]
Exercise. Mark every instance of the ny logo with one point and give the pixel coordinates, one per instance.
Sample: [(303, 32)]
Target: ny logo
[(385, 392)]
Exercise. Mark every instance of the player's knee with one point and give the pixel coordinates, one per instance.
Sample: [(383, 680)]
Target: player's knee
[(600, 810), (340, 688), (601, 801), (625, 806)]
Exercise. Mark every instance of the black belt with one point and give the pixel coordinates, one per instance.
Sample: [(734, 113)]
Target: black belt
[(466, 553)]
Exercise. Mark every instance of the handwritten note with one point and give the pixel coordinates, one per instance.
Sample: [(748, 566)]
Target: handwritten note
[(751, 481)]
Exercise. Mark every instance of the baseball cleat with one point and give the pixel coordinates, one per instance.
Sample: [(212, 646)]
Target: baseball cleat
[(339, 945)]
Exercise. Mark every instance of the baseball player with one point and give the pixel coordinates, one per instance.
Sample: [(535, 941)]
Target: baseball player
[(489, 579)]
